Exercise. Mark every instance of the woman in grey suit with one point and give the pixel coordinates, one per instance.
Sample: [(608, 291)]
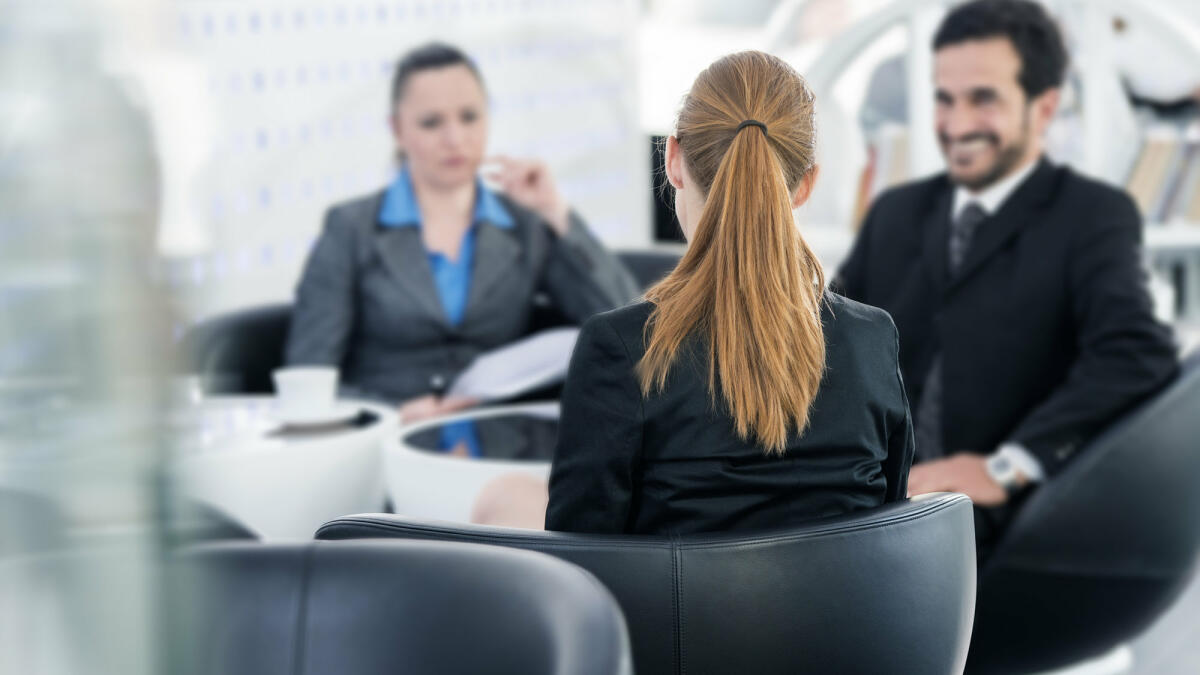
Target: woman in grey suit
[(405, 287)]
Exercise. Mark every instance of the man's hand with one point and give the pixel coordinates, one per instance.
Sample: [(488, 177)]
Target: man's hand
[(529, 183), (964, 472)]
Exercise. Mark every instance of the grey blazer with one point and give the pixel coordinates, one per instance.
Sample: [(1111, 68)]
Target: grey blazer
[(367, 301)]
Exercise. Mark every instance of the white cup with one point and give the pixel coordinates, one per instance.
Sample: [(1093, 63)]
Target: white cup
[(305, 392)]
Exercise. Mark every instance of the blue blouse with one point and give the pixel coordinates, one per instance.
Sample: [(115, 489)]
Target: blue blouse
[(452, 278)]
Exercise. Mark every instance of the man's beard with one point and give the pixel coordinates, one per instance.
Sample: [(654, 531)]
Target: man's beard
[(1007, 160)]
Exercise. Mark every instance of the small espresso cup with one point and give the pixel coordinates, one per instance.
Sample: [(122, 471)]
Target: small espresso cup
[(305, 391)]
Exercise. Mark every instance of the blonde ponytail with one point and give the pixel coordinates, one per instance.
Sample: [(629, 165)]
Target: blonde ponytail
[(748, 283)]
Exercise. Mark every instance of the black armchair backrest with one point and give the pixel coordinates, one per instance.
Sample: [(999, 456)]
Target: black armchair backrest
[(1099, 551), (389, 607), (649, 267), (888, 590), (236, 352)]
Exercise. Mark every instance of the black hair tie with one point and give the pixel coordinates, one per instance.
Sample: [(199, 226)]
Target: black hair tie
[(752, 123)]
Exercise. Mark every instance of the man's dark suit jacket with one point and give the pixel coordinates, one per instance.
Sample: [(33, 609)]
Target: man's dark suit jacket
[(672, 462), (1046, 330)]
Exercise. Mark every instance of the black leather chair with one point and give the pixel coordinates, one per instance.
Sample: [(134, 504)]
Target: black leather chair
[(389, 607), (649, 267), (1099, 552), (891, 590), (236, 352)]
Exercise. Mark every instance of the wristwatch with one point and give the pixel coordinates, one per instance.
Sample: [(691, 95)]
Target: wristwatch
[(1003, 470)]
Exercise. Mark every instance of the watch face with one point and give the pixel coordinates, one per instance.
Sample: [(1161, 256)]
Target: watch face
[(1002, 471)]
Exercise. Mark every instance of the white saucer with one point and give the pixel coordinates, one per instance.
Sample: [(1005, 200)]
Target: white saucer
[(341, 412)]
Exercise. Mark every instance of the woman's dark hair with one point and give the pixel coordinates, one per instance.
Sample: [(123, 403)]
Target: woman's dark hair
[(428, 57), (1027, 26)]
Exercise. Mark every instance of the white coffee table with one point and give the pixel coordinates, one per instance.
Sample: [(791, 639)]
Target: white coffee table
[(428, 481), (281, 484)]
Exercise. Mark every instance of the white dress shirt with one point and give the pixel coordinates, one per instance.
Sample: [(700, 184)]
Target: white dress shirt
[(992, 197)]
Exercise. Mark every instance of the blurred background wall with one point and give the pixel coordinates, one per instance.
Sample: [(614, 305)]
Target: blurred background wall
[(270, 111)]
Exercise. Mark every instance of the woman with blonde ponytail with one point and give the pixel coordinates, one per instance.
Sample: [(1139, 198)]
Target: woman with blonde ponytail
[(740, 394)]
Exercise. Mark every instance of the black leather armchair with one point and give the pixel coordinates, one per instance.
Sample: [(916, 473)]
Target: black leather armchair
[(389, 607), (236, 352), (649, 267), (891, 590), (1099, 552)]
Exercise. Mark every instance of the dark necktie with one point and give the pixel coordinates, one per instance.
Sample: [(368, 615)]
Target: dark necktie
[(928, 433)]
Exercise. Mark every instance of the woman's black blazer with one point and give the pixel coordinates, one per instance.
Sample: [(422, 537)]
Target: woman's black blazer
[(672, 462)]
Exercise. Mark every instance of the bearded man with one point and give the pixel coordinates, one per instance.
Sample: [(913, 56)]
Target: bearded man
[(1017, 286)]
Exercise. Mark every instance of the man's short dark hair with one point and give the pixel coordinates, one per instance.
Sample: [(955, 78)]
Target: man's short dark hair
[(1027, 26)]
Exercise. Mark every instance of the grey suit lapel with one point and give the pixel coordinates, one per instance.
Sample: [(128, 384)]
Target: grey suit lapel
[(496, 254), (403, 254)]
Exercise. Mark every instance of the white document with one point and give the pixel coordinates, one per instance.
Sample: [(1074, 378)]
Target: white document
[(525, 365)]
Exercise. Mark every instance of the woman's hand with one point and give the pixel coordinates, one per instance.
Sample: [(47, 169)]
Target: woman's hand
[(430, 406), (529, 183)]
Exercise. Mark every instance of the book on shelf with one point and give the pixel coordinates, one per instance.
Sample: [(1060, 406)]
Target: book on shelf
[(887, 165), (1175, 194), (1150, 179), (1187, 197)]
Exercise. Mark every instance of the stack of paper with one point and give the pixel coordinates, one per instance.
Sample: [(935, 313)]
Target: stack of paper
[(528, 364)]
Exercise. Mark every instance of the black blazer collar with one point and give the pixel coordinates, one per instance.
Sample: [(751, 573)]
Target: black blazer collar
[(1014, 214), (936, 230)]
